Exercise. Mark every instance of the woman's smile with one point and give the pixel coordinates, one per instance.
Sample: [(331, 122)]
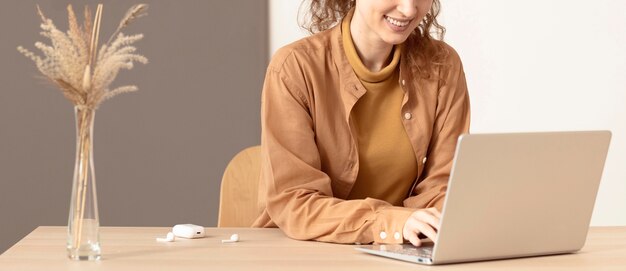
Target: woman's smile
[(397, 25)]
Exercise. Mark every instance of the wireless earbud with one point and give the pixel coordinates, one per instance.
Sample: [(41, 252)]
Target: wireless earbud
[(233, 238), (169, 238)]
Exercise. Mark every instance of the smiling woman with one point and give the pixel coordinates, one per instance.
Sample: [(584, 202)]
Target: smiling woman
[(359, 124), (421, 30)]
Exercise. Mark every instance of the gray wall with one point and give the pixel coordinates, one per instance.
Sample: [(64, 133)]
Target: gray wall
[(160, 152)]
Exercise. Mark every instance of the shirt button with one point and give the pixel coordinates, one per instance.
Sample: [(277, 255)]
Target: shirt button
[(408, 116), (383, 235), (397, 236), (424, 160)]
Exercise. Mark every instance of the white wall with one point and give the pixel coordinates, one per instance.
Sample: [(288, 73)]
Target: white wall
[(534, 65), (284, 27)]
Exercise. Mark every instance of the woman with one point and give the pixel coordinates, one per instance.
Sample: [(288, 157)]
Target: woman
[(359, 125)]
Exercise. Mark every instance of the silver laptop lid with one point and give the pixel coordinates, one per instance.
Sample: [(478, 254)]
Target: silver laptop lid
[(520, 194)]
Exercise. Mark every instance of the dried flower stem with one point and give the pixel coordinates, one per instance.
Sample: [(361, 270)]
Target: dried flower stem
[(84, 125), (84, 133), (94, 34), (135, 12)]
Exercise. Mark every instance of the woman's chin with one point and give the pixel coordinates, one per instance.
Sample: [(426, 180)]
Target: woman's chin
[(395, 39)]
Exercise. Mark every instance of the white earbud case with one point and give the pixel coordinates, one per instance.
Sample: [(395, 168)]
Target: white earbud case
[(188, 231)]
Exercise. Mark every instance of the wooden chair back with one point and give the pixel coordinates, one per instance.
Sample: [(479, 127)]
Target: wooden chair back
[(239, 191)]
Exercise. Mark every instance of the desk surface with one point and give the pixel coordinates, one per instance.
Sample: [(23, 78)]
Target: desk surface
[(126, 248)]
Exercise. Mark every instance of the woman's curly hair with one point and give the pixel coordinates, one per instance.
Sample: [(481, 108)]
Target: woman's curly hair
[(324, 14)]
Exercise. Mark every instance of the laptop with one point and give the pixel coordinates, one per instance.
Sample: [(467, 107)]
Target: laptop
[(514, 195)]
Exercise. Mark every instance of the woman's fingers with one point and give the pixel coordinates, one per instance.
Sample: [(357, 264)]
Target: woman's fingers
[(427, 217), (427, 230), (410, 233), (414, 239), (421, 221)]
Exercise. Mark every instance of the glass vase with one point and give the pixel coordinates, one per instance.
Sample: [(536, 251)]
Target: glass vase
[(83, 239)]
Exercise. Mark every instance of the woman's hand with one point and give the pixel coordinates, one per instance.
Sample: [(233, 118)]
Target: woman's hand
[(424, 221)]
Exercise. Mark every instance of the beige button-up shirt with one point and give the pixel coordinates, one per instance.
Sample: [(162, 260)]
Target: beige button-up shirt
[(309, 154)]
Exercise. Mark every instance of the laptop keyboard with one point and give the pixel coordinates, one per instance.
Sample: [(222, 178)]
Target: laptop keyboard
[(423, 252), (405, 252)]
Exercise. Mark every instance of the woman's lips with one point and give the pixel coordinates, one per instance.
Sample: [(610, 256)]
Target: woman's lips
[(396, 24)]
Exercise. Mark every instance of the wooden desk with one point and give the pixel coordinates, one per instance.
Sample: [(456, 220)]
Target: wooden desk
[(269, 249)]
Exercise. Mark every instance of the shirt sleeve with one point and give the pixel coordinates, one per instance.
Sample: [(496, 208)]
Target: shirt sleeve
[(452, 119), (300, 199)]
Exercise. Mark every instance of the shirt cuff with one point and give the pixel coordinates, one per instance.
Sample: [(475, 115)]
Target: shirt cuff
[(389, 225)]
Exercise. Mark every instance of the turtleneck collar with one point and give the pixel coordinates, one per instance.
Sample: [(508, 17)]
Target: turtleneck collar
[(355, 61)]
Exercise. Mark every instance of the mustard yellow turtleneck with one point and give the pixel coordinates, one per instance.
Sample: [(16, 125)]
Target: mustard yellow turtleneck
[(387, 164)]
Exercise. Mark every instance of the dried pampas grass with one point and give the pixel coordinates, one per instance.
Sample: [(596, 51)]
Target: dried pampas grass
[(74, 63)]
